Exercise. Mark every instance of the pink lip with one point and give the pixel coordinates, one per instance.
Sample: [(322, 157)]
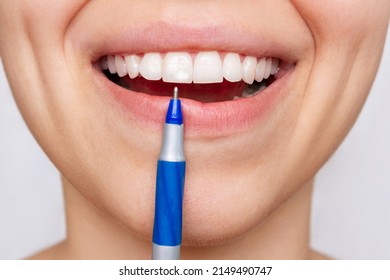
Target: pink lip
[(163, 37), (201, 119)]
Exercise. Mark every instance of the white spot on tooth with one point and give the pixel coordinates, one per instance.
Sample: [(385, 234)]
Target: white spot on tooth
[(177, 67)]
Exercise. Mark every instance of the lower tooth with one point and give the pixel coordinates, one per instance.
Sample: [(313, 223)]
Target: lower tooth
[(247, 94), (261, 89)]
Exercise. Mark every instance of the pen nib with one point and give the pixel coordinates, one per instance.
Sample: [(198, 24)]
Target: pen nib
[(175, 93)]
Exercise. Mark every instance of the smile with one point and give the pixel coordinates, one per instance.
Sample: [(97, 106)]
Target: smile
[(247, 75), (225, 85)]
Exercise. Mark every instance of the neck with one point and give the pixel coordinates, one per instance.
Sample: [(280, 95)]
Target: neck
[(283, 235), (92, 234)]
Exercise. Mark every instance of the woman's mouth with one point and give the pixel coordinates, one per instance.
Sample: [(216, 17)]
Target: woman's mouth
[(228, 79), (221, 92), (207, 76)]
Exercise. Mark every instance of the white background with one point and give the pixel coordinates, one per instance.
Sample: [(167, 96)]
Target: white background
[(351, 205)]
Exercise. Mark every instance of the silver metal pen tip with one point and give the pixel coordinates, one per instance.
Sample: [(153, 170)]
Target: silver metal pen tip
[(175, 93)]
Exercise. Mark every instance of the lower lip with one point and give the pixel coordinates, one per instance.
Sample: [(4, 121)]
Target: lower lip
[(215, 119)]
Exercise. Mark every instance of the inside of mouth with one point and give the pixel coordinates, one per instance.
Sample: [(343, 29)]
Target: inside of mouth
[(213, 92)]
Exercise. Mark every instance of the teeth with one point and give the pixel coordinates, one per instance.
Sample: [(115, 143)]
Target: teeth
[(249, 69), (104, 63), (268, 65), (274, 66), (120, 65), (133, 62), (260, 69), (177, 68), (247, 94), (201, 68), (232, 67), (207, 68), (150, 67), (111, 64)]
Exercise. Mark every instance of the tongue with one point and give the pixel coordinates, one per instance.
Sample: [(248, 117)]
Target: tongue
[(216, 92)]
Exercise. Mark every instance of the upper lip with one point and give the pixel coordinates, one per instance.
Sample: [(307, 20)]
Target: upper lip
[(161, 36)]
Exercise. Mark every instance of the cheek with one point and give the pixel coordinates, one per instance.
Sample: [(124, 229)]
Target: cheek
[(36, 23), (34, 31), (348, 37), (343, 19), (53, 14)]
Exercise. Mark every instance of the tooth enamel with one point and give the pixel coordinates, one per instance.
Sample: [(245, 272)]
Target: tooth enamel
[(207, 68), (133, 62), (104, 63), (274, 66), (249, 69), (268, 65), (177, 68), (111, 64), (261, 89), (260, 68), (232, 67), (246, 94), (250, 94), (120, 65), (150, 66)]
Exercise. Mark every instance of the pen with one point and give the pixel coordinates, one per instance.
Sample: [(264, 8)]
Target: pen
[(167, 230)]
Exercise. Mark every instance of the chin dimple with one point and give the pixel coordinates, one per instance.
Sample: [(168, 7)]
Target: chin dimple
[(199, 68)]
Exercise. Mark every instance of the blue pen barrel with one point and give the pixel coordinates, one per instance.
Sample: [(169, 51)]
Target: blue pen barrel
[(169, 203), (168, 213)]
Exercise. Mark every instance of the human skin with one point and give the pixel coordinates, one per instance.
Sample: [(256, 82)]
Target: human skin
[(247, 192)]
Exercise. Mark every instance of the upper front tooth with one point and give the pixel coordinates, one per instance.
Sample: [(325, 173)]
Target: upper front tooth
[(111, 64), (207, 68), (150, 67), (177, 67), (133, 62), (121, 67), (232, 67), (249, 69)]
